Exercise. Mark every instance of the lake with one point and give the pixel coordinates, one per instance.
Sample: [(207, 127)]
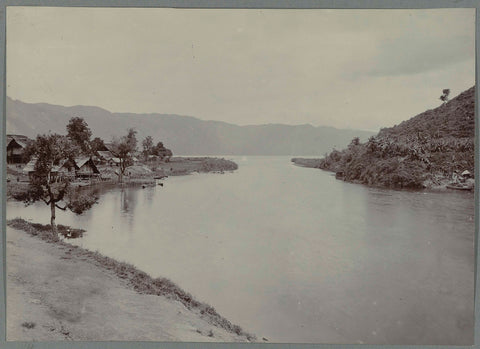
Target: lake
[(294, 255)]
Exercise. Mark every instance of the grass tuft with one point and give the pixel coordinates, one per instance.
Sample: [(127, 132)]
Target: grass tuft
[(44, 231), (29, 325)]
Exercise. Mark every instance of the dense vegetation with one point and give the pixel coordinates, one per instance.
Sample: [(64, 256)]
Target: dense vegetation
[(422, 151)]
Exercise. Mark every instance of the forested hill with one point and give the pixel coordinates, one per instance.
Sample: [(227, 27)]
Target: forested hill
[(420, 152), (455, 119)]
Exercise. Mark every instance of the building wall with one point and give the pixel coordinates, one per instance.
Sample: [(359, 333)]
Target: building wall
[(86, 170), (14, 153)]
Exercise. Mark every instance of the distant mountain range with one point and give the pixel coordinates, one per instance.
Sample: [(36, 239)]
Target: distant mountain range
[(185, 135)]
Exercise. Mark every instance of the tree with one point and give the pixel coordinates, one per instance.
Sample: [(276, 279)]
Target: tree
[(123, 149), (158, 149), (147, 145), (96, 144), (166, 154), (355, 141), (444, 96), (372, 144), (79, 132), (28, 152), (162, 152), (46, 185)]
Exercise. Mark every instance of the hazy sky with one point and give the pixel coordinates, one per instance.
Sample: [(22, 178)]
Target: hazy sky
[(361, 69)]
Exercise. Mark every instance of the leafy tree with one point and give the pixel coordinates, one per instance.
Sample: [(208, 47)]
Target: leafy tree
[(96, 144), (28, 152), (372, 144), (166, 154), (147, 145), (79, 132), (158, 149), (46, 185), (355, 141), (123, 148), (162, 152), (444, 96)]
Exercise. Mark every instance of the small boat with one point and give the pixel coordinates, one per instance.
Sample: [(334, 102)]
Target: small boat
[(459, 187)]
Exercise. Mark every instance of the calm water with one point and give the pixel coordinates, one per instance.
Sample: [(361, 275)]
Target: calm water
[(293, 255)]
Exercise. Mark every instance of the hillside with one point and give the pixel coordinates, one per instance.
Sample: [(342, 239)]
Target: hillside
[(183, 134), (423, 151)]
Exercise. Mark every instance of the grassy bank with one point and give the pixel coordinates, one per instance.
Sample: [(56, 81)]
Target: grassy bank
[(306, 162), (136, 279), (186, 165)]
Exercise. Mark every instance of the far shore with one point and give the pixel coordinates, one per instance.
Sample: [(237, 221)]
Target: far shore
[(65, 292)]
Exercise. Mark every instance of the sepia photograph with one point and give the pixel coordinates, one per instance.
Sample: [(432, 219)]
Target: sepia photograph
[(240, 175)]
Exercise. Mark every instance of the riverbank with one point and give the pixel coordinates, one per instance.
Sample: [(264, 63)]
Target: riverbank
[(436, 182), (65, 292), (307, 162), (140, 174)]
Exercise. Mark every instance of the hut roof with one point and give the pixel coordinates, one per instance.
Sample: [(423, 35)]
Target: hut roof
[(103, 148), (30, 167), (466, 173), (109, 146), (80, 162), (14, 141), (67, 163), (19, 139), (105, 154)]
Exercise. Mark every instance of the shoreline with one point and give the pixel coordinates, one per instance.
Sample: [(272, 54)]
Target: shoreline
[(143, 292), (177, 166), (440, 186)]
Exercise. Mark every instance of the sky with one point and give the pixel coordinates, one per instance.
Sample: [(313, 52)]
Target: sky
[(358, 69)]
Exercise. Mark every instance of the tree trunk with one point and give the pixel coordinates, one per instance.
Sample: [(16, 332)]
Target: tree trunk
[(120, 174), (52, 218)]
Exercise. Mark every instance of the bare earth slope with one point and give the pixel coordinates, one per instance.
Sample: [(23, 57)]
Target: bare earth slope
[(61, 295)]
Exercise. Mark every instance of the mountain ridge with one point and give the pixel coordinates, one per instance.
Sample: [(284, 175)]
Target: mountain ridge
[(186, 135)]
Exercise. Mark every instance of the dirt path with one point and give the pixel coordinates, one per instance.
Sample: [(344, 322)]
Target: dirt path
[(54, 295)]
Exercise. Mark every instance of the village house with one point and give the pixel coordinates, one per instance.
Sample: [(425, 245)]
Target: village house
[(86, 168), (80, 168), (103, 156), (68, 169), (29, 168), (16, 145), (106, 157)]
